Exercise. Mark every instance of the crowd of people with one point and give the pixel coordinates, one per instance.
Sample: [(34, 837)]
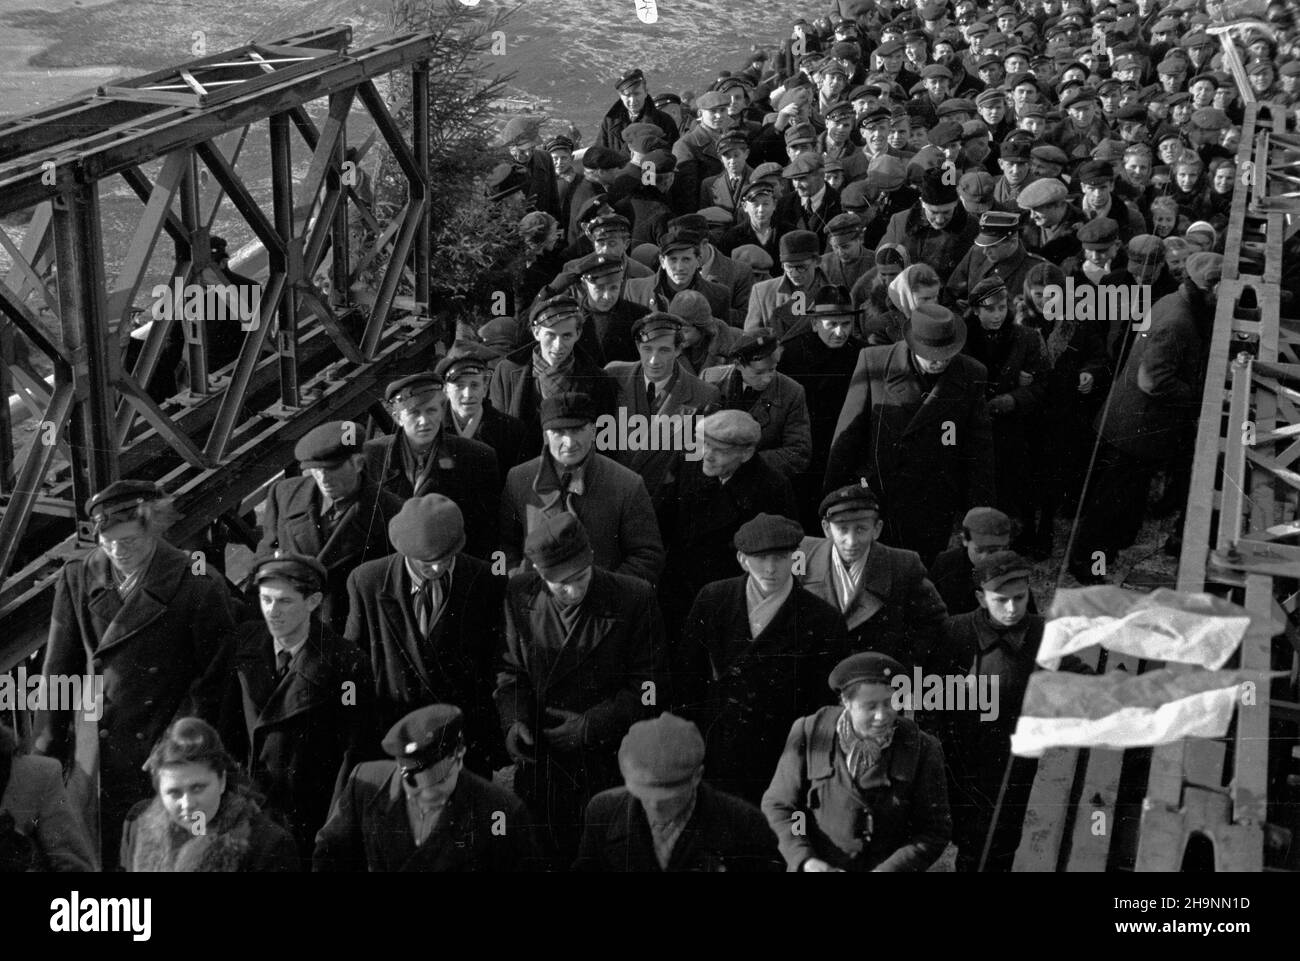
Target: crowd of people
[(843, 290)]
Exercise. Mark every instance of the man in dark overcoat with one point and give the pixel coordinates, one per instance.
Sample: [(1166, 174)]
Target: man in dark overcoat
[(465, 371)]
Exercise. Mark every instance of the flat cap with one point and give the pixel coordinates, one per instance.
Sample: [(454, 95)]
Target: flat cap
[(558, 544), (800, 133), (803, 165), (1095, 172), (660, 757), (598, 265), (1164, 25), (990, 96), (1049, 153), (1290, 69), (848, 502), (120, 500), (566, 410), (1098, 233), (1040, 193), (407, 390), (328, 445), (986, 522), (427, 528), (944, 133), (301, 569), (518, 129), (1171, 66), (712, 100), (464, 358), (935, 71), (649, 326), (1078, 95), (663, 160), (500, 335), (751, 255), (732, 428), (976, 186), (426, 736), (856, 196), (1205, 269), (1000, 568), (1146, 249), (768, 534), (845, 223), (955, 105), (867, 667), (646, 254), (1210, 118), (889, 48), (690, 307)]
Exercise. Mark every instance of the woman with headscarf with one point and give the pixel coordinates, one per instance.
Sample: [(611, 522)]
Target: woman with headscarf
[(917, 284), (203, 816), (859, 787), (1076, 381)]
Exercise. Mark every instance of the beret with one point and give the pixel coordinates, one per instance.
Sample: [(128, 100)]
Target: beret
[(867, 666), (768, 534), (799, 245), (692, 307), (328, 445), (425, 736), (427, 528), (987, 521), (1046, 190), (568, 409), (1095, 172), (850, 499), (120, 499), (465, 357), (408, 389), (1098, 233), (996, 569), (557, 543), (554, 310), (300, 568), (712, 100), (649, 326), (755, 257), (628, 78), (735, 428), (1204, 269), (660, 757), (990, 286)]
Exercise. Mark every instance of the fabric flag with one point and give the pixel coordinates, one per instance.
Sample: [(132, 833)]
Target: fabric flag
[(1119, 710), (1163, 625)]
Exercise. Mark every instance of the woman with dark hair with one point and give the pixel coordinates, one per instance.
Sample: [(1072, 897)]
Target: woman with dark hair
[(40, 830), (203, 817), (860, 787)]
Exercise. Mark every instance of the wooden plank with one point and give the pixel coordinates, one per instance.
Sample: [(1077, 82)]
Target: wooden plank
[(1048, 811)]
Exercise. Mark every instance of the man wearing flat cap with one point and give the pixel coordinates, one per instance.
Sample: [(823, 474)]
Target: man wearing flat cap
[(915, 425), (135, 612), (298, 711), (1050, 230), (860, 787), (634, 105), (706, 340), (754, 651), (423, 810), (679, 269), (1151, 423), (466, 371), (1097, 182), (697, 149), (1084, 125), (666, 817), (337, 512), (779, 304), (522, 140), (715, 266), (984, 531), (997, 252), (584, 660), (883, 593), (811, 204), (725, 189), (423, 457), (757, 226), (660, 398), (428, 619), (751, 382), (552, 364), (936, 230), (572, 476), (847, 258)]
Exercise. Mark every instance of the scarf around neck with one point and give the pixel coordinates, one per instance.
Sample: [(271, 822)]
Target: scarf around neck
[(861, 754), (552, 380)]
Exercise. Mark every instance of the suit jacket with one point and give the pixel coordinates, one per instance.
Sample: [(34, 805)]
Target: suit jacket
[(293, 523), (483, 828), (742, 689), (781, 411), (895, 610), (655, 294), (161, 653), (514, 391), (299, 736), (506, 436), (689, 397), (772, 305), (791, 215), (458, 468), (41, 810), (455, 664), (716, 191), (615, 510), (928, 456), (743, 235), (724, 833)]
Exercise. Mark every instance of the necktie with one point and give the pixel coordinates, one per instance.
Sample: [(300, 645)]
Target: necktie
[(424, 606), (282, 659), (650, 396)]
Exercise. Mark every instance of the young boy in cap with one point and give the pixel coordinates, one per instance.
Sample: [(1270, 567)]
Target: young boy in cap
[(288, 717), (847, 259), (423, 457), (1097, 183), (725, 189), (423, 811), (984, 531), (833, 803), (706, 340), (756, 226), (134, 612), (752, 383), (753, 651), (915, 425), (572, 476), (657, 396), (666, 817), (883, 593), (428, 618), (583, 662), (336, 512), (465, 372)]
